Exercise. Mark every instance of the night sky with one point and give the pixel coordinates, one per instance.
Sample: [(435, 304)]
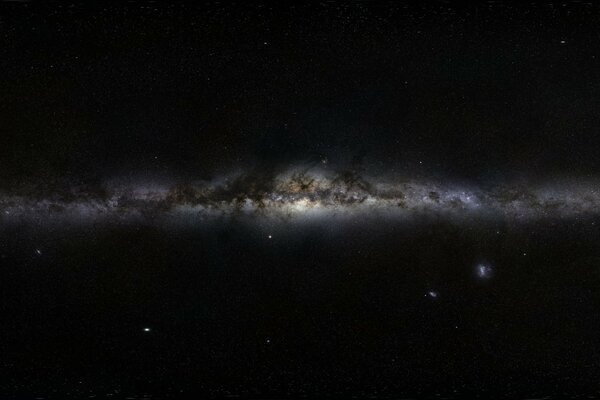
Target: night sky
[(338, 199)]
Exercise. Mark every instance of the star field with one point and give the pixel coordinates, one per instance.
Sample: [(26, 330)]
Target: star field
[(272, 200), (304, 196)]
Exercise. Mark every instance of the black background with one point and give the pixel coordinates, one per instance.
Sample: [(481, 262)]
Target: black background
[(476, 92), (146, 91)]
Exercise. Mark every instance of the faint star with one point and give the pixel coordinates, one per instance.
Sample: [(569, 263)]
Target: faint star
[(270, 236)]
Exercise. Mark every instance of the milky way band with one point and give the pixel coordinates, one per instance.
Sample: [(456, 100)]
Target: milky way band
[(299, 194)]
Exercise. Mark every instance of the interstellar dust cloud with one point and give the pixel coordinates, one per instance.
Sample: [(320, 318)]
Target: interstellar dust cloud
[(298, 194)]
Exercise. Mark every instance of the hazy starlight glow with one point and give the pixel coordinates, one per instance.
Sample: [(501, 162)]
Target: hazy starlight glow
[(301, 196), (484, 271)]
